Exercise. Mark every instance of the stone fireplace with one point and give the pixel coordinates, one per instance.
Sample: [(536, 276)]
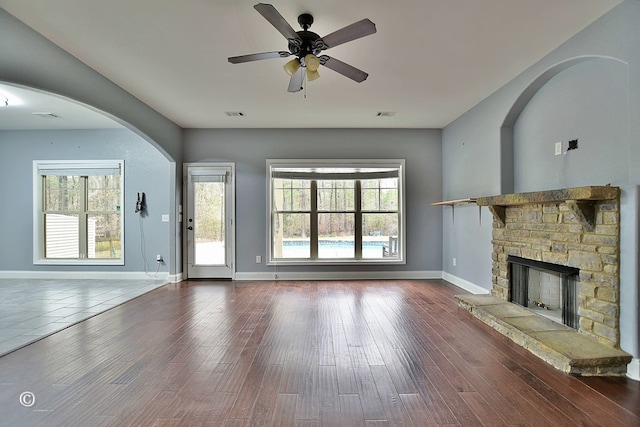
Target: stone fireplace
[(575, 227), (569, 238)]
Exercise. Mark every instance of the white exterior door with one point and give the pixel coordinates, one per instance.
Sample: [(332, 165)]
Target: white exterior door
[(210, 220)]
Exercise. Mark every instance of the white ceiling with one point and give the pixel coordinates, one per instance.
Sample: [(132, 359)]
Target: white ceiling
[(429, 62)]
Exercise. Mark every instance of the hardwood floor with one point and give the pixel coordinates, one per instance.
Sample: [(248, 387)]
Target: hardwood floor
[(343, 353)]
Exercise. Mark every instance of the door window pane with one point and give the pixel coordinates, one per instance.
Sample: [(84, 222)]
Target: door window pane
[(209, 223)]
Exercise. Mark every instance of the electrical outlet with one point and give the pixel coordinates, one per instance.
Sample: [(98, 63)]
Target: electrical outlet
[(454, 261), (258, 259), (159, 259), (558, 148)]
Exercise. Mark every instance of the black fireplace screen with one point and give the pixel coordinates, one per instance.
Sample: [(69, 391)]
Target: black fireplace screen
[(519, 286), (570, 316)]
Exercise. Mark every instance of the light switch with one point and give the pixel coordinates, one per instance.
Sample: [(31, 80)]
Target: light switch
[(558, 148)]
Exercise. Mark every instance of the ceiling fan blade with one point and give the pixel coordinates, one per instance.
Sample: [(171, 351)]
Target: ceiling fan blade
[(295, 84), (258, 57), (273, 16), (350, 32), (345, 69)]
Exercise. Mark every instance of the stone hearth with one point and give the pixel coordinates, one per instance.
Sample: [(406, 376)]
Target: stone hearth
[(574, 227), (562, 347)]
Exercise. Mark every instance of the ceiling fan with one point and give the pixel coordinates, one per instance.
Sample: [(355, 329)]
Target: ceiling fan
[(306, 45)]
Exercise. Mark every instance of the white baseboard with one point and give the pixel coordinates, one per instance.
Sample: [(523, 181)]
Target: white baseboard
[(633, 369), (464, 284), (90, 275), (339, 275), (280, 275), (175, 278)]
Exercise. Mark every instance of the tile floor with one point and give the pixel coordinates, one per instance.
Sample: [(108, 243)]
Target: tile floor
[(33, 309)]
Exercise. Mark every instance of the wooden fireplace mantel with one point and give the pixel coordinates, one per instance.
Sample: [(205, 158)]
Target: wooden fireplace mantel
[(581, 200)]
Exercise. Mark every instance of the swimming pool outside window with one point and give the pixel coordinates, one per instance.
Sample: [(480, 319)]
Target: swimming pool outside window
[(328, 211)]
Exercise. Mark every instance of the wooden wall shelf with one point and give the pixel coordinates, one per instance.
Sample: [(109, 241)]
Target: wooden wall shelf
[(455, 202)]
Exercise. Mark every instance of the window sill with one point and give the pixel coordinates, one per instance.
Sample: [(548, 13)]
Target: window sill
[(306, 262), (77, 262)]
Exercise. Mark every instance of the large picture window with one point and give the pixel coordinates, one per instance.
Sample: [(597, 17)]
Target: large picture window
[(328, 211), (78, 216)]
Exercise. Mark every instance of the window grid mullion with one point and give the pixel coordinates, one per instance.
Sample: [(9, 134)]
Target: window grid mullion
[(314, 221), (43, 215), (357, 203), (83, 218)]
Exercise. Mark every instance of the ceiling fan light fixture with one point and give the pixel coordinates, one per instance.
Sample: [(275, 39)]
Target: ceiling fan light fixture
[(292, 66), (312, 62), (312, 75)]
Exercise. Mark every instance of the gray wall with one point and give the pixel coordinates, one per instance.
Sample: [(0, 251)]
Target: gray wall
[(249, 149), (589, 102), (146, 170), (588, 88), (30, 60)]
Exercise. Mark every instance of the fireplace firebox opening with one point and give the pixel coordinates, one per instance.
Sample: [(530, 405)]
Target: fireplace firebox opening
[(551, 290)]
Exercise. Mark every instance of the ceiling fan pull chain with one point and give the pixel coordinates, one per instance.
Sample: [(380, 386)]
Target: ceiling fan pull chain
[(304, 86)]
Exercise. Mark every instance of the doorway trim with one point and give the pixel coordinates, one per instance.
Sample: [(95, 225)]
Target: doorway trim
[(230, 211)]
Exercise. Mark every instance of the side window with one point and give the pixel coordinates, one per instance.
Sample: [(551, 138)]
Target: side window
[(79, 218)]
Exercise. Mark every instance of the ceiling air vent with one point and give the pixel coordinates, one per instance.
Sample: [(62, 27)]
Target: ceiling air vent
[(386, 113), (234, 113), (46, 115)]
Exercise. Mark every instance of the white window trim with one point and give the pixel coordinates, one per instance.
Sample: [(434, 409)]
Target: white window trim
[(324, 163), (38, 226)]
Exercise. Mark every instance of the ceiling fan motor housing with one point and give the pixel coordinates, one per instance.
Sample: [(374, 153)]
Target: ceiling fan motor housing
[(308, 42), (305, 45)]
